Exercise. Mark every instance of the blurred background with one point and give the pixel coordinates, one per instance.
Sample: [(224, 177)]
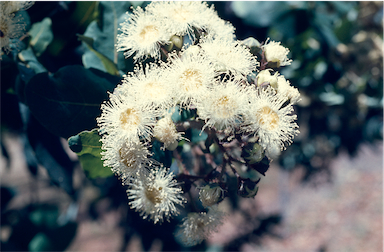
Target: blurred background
[(324, 193)]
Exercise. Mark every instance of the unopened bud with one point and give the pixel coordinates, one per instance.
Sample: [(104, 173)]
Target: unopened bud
[(274, 52), (248, 188), (265, 76), (253, 153), (211, 194), (177, 41)]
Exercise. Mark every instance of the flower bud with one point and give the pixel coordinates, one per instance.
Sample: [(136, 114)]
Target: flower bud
[(274, 52), (211, 194), (253, 153), (177, 41), (248, 188), (265, 76)]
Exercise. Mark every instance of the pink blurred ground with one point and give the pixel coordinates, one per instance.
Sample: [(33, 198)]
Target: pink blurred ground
[(344, 215)]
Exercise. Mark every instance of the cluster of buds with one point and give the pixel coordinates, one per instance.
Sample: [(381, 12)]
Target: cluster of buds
[(232, 94), (11, 26)]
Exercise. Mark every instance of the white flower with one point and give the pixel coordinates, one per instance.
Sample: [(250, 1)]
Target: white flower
[(266, 117), (125, 158), (209, 195), (165, 131), (181, 16), (13, 6), (265, 76), (223, 106), (148, 86), (122, 117), (198, 226), (190, 76), (227, 55), (284, 88), (11, 28), (155, 195), (142, 33), (218, 28), (274, 52)]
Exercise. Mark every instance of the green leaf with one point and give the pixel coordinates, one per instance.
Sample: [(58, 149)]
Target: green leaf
[(42, 35), (104, 36), (108, 65), (28, 57), (40, 242), (259, 14), (68, 101), (198, 135), (87, 146)]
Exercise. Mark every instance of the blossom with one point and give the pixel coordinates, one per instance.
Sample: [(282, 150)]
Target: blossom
[(190, 75), (148, 86), (227, 55), (13, 6), (274, 52), (180, 17), (11, 28), (218, 28), (198, 226), (142, 33), (125, 158), (266, 117), (223, 106), (285, 89), (122, 117), (155, 195), (165, 131)]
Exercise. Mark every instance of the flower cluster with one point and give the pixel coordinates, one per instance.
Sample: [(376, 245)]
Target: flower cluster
[(200, 67), (11, 26)]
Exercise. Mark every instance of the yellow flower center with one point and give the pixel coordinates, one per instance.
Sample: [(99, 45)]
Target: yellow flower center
[(153, 195), (181, 14), (191, 80), (129, 118), (225, 107), (148, 33), (127, 157), (268, 117)]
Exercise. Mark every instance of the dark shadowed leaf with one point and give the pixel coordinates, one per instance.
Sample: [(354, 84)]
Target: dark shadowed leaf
[(50, 153), (68, 102), (262, 166)]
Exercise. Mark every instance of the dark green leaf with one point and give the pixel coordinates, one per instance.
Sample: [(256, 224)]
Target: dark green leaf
[(49, 152), (164, 157), (262, 166), (68, 102)]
